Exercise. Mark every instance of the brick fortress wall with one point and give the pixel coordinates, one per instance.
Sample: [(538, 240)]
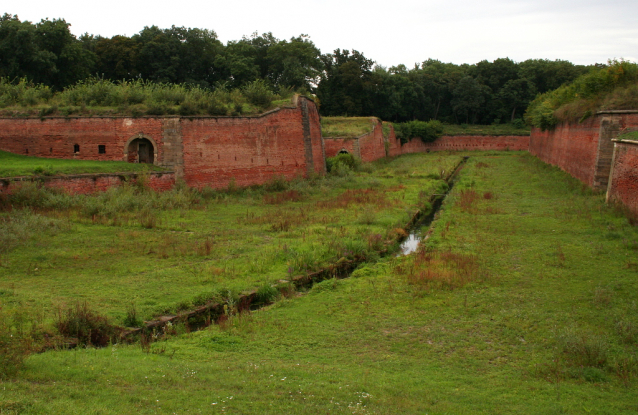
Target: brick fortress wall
[(584, 150), (89, 183), (623, 186), (204, 151)]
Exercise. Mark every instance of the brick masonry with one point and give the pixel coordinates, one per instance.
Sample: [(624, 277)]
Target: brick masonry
[(584, 150), (203, 151), (89, 183), (623, 186)]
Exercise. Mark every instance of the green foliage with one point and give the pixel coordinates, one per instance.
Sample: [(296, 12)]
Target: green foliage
[(84, 324), (347, 127), (426, 131), (613, 87), (258, 93), (342, 163), (266, 294)]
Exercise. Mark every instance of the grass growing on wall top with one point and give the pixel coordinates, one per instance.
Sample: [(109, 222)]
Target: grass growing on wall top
[(524, 301), (12, 165), (346, 127), (100, 97), (494, 129)]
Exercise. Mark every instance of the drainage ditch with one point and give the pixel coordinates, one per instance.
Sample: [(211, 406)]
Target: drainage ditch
[(210, 313)]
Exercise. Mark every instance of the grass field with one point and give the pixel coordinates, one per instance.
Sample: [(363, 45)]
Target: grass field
[(174, 251), (12, 165), (523, 300)]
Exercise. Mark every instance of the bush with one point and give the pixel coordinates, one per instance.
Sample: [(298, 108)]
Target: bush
[(426, 131), (84, 324), (258, 93), (266, 294), (340, 161)]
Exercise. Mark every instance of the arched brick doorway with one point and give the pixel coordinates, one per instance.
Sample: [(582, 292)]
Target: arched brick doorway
[(140, 149)]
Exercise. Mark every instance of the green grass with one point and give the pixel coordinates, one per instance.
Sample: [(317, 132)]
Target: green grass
[(632, 135), (346, 127), (522, 301), (171, 251), (12, 165), (494, 129)]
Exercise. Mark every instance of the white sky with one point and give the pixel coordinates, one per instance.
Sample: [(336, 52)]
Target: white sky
[(388, 32)]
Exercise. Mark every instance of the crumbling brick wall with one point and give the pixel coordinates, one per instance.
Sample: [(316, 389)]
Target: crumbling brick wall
[(623, 184)]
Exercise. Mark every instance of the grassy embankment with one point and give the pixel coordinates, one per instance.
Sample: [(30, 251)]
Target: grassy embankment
[(175, 250), (12, 165), (524, 301), (100, 97)]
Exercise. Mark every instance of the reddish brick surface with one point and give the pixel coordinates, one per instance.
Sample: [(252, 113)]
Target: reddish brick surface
[(574, 147), (459, 143), (56, 137), (623, 187), (89, 183), (334, 145), (207, 151)]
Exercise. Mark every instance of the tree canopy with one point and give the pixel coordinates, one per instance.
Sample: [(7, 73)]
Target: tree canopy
[(345, 81)]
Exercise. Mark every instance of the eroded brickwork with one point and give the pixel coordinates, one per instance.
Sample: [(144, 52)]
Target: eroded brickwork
[(623, 185), (90, 183)]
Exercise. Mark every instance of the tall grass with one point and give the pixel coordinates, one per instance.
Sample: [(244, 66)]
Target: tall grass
[(95, 96)]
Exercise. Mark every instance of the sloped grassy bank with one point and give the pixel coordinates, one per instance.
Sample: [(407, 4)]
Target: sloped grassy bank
[(522, 302)]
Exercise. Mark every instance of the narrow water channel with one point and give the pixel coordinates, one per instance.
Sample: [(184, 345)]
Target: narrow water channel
[(419, 232)]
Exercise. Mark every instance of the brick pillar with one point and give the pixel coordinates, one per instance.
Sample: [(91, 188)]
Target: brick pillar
[(609, 129), (307, 138), (173, 146)]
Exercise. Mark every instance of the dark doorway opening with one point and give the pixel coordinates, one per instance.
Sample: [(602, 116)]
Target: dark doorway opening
[(343, 152), (141, 150)]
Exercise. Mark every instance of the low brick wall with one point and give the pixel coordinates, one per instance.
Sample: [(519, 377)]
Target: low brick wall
[(88, 183), (460, 143), (366, 147), (623, 184)]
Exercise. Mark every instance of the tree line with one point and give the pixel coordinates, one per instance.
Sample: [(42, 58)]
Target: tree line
[(345, 82)]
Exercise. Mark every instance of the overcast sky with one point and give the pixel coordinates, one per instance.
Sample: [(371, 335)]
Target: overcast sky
[(389, 32)]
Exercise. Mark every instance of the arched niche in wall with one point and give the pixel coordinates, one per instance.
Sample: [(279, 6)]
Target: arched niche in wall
[(343, 151), (140, 148)]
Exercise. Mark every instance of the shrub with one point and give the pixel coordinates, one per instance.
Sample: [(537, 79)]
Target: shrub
[(343, 160), (426, 131), (266, 294), (84, 324), (258, 93)]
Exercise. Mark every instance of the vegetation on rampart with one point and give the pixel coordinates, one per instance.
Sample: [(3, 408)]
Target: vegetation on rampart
[(346, 127), (613, 87), (102, 97)]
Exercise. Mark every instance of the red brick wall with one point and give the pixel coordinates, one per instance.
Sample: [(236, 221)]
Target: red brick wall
[(55, 137), (207, 151), (367, 147), (576, 147), (90, 183), (459, 143), (623, 186), (371, 146), (572, 147), (250, 150), (334, 145)]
